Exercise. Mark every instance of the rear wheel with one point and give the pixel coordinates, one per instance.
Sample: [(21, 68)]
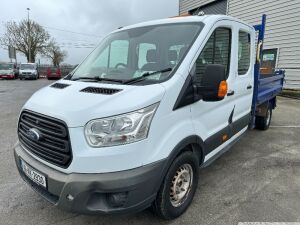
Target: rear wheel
[(178, 188), (263, 122)]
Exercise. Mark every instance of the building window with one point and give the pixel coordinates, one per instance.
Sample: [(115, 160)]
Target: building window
[(268, 64), (216, 51), (244, 52)]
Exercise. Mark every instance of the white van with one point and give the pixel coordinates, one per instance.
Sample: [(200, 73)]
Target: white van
[(28, 71), (132, 124)]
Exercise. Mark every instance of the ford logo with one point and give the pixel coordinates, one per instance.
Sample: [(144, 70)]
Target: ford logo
[(34, 134)]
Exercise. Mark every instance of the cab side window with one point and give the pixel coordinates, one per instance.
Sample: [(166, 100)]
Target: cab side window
[(216, 51), (244, 52)]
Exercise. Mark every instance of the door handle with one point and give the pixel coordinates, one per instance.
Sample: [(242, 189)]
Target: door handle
[(230, 93), (249, 86)]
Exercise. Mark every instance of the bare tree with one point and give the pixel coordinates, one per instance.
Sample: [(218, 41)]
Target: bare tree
[(26, 36), (54, 52)]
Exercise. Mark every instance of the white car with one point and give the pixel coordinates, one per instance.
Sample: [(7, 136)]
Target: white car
[(9, 71), (132, 124), (28, 71)]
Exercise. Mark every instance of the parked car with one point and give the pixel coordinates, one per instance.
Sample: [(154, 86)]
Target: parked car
[(28, 71), (9, 71), (54, 73), (154, 102)]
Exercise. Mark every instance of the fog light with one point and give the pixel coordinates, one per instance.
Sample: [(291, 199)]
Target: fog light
[(117, 199)]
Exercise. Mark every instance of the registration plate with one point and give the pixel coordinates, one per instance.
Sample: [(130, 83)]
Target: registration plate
[(34, 175)]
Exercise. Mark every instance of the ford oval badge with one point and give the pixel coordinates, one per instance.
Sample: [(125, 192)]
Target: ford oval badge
[(34, 134)]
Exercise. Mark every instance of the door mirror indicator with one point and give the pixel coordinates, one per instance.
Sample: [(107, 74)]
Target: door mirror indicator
[(222, 89), (214, 85)]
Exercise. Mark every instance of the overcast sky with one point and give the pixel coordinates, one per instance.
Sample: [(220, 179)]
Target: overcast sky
[(94, 18)]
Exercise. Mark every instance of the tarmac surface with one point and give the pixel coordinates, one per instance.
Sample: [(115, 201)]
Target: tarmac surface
[(258, 180)]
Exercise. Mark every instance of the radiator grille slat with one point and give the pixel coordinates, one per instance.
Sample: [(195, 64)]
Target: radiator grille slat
[(53, 145), (99, 90)]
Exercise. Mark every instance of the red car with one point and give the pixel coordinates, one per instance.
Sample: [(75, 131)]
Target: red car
[(54, 73)]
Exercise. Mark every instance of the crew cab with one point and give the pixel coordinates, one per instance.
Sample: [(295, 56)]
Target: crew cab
[(132, 125), (28, 71), (9, 71)]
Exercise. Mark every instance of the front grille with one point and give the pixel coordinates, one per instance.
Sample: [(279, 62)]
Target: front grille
[(97, 90), (26, 73), (53, 145)]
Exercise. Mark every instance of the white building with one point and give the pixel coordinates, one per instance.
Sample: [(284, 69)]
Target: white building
[(282, 38)]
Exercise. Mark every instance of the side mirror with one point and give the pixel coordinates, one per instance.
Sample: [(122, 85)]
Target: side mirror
[(214, 85)]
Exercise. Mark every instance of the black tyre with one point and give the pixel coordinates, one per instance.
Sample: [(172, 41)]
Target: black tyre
[(263, 122), (178, 188)]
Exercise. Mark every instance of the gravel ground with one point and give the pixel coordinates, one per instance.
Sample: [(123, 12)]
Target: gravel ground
[(257, 180)]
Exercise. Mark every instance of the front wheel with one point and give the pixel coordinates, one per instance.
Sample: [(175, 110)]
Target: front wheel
[(263, 122), (178, 188)]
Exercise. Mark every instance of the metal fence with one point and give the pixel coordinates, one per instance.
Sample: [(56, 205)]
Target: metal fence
[(65, 69)]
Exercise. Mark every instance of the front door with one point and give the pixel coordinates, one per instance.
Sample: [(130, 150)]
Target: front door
[(213, 120)]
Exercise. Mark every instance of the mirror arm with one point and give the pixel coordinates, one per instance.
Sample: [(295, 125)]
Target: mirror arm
[(197, 95)]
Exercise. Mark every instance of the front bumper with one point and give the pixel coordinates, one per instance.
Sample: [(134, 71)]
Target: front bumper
[(54, 76), (118, 192), (28, 76), (7, 76)]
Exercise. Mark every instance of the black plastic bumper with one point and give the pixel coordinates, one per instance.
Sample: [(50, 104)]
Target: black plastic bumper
[(118, 192)]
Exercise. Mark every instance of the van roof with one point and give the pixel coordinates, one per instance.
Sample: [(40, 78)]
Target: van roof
[(205, 19)]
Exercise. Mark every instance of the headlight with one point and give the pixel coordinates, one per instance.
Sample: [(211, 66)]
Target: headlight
[(121, 129)]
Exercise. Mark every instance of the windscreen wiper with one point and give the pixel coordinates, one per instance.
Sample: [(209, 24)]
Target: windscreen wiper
[(147, 74), (96, 78)]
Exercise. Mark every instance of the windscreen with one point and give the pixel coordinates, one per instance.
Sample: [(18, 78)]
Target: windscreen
[(27, 67), (6, 66), (131, 53)]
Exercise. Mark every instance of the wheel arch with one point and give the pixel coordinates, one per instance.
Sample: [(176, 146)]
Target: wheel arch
[(191, 143)]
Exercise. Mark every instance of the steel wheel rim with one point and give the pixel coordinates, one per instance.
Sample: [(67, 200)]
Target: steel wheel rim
[(181, 185)]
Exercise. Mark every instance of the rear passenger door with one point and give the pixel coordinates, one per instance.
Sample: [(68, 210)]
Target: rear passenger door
[(243, 73), (212, 119)]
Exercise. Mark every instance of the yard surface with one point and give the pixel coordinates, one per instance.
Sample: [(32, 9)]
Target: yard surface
[(257, 180)]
